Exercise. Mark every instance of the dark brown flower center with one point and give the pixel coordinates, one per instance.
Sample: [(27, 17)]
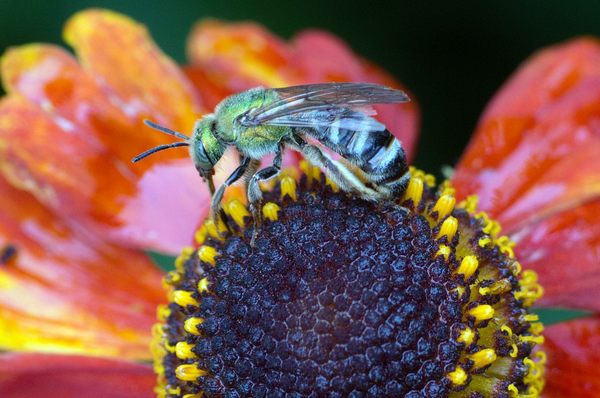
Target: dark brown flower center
[(344, 298)]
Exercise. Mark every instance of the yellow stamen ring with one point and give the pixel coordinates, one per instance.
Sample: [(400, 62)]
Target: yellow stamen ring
[(469, 204), (514, 350), (238, 212), (458, 377), (483, 358), (444, 251), (482, 312), (183, 350), (444, 206), (448, 228), (462, 254), (507, 329), (203, 285), (414, 191), (466, 336), (189, 372), (183, 298), (162, 312), (288, 187), (217, 230), (485, 241), (207, 254), (468, 266), (270, 211), (172, 278), (191, 325)]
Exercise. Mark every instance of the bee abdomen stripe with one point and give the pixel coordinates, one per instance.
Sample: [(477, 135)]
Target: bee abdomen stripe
[(378, 153)]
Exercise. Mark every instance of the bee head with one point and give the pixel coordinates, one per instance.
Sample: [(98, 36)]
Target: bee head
[(205, 149)]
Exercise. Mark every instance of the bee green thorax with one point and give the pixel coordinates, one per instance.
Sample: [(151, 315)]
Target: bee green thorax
[(255, 141)]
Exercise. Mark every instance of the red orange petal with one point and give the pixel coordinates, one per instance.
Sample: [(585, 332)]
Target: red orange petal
[(51, 78), (536, 150), (210, 91), (69, 134), (241, 55), (573, 350), (54, 376), (62, 168), (65, 290), (565, 250), (135, 74), (169, 203)]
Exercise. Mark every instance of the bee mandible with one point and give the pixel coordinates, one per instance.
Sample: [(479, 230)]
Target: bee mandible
[(265, 121)]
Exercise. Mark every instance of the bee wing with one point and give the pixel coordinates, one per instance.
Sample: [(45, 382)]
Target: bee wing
[(342, 118), (324, 96)]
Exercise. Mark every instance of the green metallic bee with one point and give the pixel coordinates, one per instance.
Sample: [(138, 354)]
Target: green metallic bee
[(263, 121)]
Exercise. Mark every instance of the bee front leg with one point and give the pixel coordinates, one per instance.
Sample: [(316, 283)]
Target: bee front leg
[(218, 194), (250, 171), (255, 194)]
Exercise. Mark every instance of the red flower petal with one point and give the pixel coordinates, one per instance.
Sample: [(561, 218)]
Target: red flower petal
[(565, 250), (573, 350), (54, 376), (210, 92), (135, 74), (244, 55), (61, 167), (52, 78), (80, 181), (537, 148), (82, 129), (65, 290), (240, 56)]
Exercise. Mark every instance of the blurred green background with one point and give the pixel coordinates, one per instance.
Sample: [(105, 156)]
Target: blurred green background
[(452, 55)]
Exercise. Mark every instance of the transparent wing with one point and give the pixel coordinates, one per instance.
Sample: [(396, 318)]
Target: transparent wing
[(325, 96), (342, 118)]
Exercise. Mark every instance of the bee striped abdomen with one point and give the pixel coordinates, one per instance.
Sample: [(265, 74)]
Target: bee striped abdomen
[(377, 153)]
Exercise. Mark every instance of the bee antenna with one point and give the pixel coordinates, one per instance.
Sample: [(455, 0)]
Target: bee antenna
[(165, 130), (157, 149)]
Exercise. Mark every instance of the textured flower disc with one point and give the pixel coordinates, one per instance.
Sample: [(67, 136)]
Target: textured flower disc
[(340, 297)]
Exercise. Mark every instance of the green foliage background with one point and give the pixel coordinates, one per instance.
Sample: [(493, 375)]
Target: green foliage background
[(452, 55)]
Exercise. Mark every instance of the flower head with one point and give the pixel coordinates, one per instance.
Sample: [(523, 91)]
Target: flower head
[(74, 282), (343, 297)]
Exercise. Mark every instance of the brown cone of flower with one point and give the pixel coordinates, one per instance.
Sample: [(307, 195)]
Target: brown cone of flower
[(341, 297)]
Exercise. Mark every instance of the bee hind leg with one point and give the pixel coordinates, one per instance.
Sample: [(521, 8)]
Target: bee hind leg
[(255, 194), (343, 177)]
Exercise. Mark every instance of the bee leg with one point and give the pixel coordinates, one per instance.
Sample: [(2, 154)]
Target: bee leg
[(250, 171), (215, 203), (255, 194), (338, 172)]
